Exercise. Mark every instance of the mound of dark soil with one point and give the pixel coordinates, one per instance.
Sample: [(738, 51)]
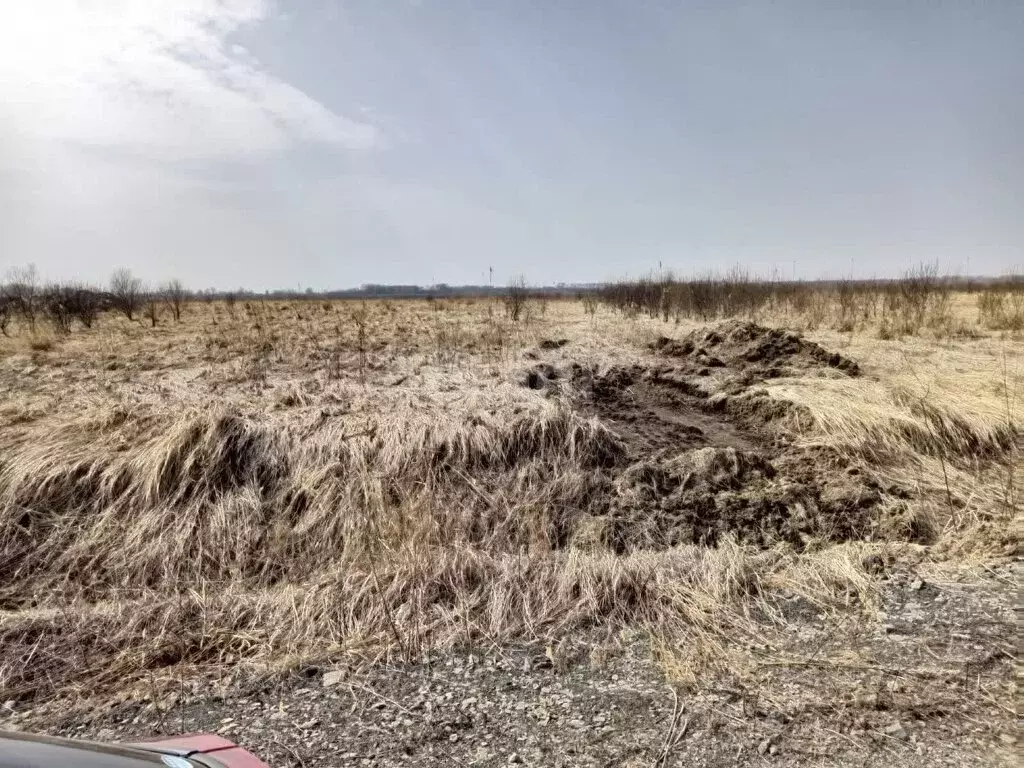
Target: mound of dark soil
[(541, 376), (704, 494), (703, 458), (742, 345)]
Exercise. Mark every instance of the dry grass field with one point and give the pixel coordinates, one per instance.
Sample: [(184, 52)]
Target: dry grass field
[(265, 486)]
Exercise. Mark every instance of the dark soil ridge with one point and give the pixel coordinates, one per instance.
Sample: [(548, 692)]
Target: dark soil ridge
[(704, 457), (745, 346), (699, 467)]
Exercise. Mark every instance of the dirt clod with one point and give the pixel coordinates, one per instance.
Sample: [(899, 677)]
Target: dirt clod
[(553, 343), (767, 352)]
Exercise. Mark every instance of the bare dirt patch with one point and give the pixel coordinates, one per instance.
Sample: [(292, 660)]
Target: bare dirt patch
[(702, 458), (757, 351)]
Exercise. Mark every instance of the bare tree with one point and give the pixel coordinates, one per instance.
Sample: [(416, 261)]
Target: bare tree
[(5, 314), (84, 304), (515, 298), (153, 307), (175, 295), (56, 301), (22, 292), (126, 292)]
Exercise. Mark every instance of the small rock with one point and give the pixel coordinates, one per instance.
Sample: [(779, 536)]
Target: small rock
[(764, 746), (896, 731), (1008, 739), (333, 678), (916, 585), (514, 759), (773, 749)]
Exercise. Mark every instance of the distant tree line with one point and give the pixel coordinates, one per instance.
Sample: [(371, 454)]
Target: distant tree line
[(25, 296)]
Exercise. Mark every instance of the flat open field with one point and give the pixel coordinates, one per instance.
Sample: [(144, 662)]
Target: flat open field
[(415, 531)]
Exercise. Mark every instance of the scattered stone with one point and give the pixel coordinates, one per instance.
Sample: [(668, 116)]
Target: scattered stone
[(916, 585), (333, 678), (896, 731)]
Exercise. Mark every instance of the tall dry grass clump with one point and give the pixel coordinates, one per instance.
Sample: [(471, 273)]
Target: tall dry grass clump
[(219, 496), (219, 538), (1001, 307)]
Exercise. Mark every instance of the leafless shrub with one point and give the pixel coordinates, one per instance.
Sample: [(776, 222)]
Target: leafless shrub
[(541, 302), (56, 301), (590, 302), (230, 300), (5, 314), (22, 291), (846, 300), (1001, 306), (705, 297), (515, 298), (704, 300), (175, 294), (152, 307), (126, 293), (360, 317), (920, 297), (84, 304)]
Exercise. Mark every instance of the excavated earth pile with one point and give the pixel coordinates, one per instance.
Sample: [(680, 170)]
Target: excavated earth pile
[(704, 456)]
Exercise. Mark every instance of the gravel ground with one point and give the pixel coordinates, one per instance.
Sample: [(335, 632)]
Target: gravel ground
[(927, 684)]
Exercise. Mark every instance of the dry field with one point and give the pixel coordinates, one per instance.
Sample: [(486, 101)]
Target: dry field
[(266, 486)]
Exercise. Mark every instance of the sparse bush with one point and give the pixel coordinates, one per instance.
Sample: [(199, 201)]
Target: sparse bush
[(22, 291), (5, 314), (515, 298), (153, 308), (84, 303), (1001, 306), (846, 299), (704, 298), (920, 297), (175, 295), (360, 316), (590, 301), (55, 300), (126, 293)]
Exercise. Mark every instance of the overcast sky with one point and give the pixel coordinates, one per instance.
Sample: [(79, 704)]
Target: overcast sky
[(329, 143)]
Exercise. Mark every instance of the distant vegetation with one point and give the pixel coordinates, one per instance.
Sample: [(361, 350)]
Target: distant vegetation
[(919, 299)]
